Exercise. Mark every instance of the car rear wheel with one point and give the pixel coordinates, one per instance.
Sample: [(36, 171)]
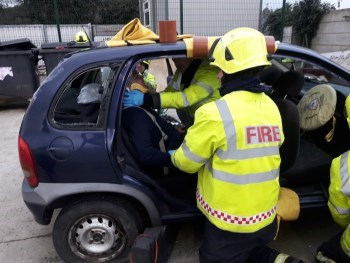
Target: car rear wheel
[(96, 231)]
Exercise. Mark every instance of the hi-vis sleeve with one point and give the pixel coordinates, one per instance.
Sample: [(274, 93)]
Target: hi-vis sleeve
[(201, 141), (203, 85), (150, 81), (339, 190)]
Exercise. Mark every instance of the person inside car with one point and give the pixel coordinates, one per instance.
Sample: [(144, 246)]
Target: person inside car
[(337, 249), (193, 85), (148, 78), (234, 146), (150, 135)]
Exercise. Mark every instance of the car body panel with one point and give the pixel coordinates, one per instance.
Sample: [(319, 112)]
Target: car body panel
[(47, 193)]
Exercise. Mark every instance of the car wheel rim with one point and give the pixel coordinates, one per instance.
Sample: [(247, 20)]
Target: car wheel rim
[(96, 238)]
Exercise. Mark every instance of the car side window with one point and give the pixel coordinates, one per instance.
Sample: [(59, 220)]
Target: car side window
[(313, 73), (79, 103)]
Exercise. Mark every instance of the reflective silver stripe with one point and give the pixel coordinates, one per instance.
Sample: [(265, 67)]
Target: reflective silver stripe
[(281, 258), (184, 99), (207, 87), (247, 153), (230, 132), (175, 83), (340, 210), (344, 174), (190, 155), (242, 179)]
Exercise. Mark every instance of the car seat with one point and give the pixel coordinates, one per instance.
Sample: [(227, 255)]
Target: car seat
[(314, 160), (162, 188), (288, 84), (270, 75), (328, 127)]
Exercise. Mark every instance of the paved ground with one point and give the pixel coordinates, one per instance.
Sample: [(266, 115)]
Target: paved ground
[(23, 240)]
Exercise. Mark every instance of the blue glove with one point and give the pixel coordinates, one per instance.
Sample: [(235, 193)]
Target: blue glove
[(133, 98), (171, 152)]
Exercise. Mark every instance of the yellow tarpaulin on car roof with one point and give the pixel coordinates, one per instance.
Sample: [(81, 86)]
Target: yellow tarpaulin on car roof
[(134, 33)]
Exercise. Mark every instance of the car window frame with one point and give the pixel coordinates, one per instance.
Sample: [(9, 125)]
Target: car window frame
[(104, 105), (344, 89)]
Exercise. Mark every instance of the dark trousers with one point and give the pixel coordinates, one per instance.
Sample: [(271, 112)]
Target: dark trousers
[(228, 247), (333, 250)]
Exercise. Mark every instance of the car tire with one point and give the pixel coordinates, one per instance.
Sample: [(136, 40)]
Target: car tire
[(97, 230)]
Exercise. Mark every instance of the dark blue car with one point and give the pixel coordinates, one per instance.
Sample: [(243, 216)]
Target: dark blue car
[(75, 156)]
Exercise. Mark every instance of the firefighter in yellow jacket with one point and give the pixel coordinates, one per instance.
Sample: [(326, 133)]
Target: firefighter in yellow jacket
[(234, 146), (194, 84), (337, 249), (148, 78)]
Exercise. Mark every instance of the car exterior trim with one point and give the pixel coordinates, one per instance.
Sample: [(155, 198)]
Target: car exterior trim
[(47, 193)]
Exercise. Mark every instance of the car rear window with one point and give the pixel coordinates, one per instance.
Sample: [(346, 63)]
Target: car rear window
[(79, 103)]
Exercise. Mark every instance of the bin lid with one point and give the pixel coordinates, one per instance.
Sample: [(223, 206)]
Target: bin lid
[(63, 45), (16, 44)]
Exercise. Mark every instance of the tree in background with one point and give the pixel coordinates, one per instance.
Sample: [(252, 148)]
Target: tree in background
[(307, 16), (273, 23), (70, 11), (304, 17)]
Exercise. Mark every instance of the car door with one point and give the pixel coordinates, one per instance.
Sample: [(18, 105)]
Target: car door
[(78, 150)]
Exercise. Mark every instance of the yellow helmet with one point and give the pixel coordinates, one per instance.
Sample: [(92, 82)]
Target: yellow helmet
[(81, 37), (239, 49), (146, 63), (347, 109)]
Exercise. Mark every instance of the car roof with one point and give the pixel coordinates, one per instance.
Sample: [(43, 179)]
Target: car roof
[(124, 52), (101, 54)]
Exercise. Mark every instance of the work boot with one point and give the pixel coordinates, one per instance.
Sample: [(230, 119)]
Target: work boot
[(287, 259), (267, 254), (321, 258)]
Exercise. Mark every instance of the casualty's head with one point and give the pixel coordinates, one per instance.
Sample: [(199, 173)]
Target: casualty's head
[(136, 82), (238, 51), (142, 66)]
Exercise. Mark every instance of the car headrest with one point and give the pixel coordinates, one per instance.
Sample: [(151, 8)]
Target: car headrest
[(317, 107), (269, 75), (289, 83)]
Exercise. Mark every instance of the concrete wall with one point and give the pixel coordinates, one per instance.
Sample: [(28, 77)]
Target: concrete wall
[(333, 33)]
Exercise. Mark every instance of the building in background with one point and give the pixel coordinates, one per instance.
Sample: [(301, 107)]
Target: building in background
[(202, 18)]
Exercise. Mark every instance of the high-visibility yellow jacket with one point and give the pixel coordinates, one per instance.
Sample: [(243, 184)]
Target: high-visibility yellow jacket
[(339, 197), (234, 145), (203, 89), (150, 80)]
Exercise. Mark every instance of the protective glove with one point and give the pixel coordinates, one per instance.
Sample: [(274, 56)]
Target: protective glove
[(171, 152), (133, 98)]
